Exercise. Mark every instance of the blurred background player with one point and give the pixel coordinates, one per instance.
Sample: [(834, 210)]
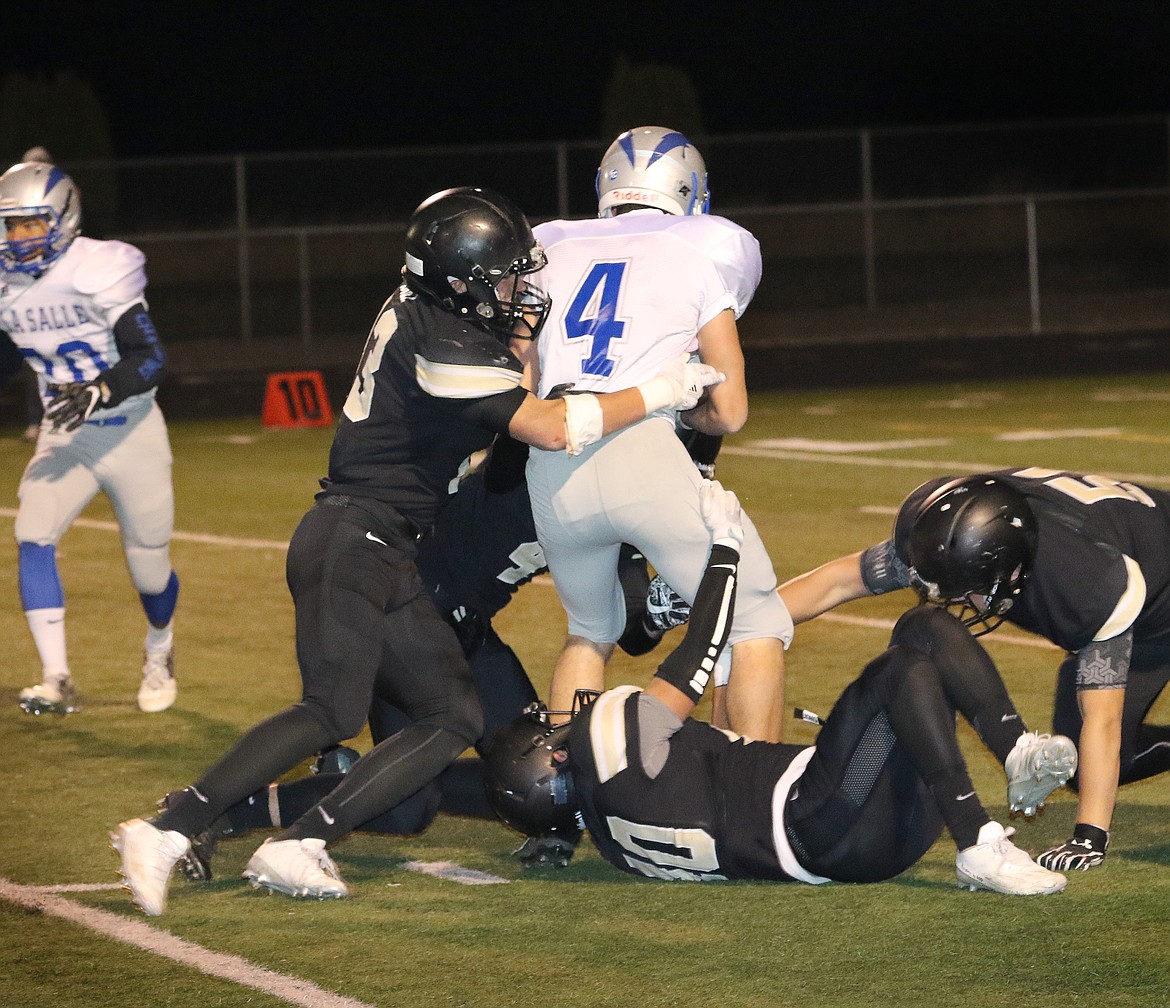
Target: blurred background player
[(436, 381), (75, 309), (653, 277), (669, 797), (1081, 560)]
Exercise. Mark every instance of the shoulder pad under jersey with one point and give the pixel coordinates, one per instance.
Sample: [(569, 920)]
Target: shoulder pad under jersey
[(465, 363), (733, 250), (111, 266)]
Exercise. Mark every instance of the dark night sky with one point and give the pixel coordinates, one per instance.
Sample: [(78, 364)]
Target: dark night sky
[(211, 78)]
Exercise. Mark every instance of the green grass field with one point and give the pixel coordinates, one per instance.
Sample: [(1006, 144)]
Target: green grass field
[(588, 935)]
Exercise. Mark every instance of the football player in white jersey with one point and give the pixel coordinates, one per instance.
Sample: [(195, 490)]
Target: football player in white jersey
[(652, 279), (74, 308)]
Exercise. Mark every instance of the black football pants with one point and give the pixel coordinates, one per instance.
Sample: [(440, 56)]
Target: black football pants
[(365, 626), (888, 772)]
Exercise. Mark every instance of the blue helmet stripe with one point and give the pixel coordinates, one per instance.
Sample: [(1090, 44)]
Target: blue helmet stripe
[(627, 142), (666, 145), (55, 176)]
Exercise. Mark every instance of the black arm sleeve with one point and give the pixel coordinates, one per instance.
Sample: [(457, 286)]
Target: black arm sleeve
[(688, 668), (142, 365)]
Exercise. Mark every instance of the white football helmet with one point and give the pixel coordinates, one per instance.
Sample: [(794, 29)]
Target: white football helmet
[(37, 189), (653, 166)]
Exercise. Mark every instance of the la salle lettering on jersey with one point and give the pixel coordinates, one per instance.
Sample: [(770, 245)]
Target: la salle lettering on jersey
[(31, 320)]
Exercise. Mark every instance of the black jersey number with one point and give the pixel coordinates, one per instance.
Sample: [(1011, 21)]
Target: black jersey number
[(1088, 489), (664, 852)]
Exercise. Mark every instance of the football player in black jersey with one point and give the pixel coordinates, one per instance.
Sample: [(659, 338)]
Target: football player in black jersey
[(438, 379), (1079, 559), (482, 550), (669, 797)]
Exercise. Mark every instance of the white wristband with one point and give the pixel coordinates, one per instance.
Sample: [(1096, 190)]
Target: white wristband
[(658, 393), (584, 423)]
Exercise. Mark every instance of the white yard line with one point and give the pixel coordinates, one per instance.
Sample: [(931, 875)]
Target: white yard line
[(934, 465), (233, 542), (884, 624), (141, 935), (449, 871)]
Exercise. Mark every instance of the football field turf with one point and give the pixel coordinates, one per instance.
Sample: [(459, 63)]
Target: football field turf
[(821, 473)]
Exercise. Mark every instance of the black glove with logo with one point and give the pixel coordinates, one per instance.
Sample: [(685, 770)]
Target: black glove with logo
[(74, 402), (1085, 850)]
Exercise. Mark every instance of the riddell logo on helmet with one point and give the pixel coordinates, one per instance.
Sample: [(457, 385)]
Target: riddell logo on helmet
[(630, 195)]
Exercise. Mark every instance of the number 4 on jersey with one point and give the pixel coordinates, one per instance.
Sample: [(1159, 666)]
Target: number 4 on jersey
[(592, 316)]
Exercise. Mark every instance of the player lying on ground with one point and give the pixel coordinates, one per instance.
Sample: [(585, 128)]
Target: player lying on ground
[(666, 796), (1078, 559)]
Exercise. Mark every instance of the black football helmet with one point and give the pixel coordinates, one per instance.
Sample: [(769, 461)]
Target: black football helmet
[(462, 245), (969, 545), (529, 783)]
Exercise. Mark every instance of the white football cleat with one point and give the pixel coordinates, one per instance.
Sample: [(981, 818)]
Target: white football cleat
[(148, 856), (1036, 767), (996, 864), (299, 868), (158, 689), (50, 697)]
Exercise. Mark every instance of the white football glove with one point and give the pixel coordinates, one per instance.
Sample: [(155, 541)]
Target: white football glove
[(721, 513), (679, 386)]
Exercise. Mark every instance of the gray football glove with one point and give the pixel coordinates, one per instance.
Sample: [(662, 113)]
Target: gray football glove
[(1085, 850), (74, 402)]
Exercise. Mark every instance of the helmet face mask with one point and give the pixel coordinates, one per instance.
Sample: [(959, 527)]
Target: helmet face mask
[(656, 167), (530, 785), (969, 548), (38, 191), (984, 609), (467, 250)]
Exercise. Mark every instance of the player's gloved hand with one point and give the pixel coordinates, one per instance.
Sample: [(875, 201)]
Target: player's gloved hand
[(665, 609), (553, 850), (679, 385), (74, 402), (721, 511), (1085, 850)]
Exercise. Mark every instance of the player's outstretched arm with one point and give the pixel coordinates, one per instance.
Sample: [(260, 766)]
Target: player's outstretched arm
[(819, 590)]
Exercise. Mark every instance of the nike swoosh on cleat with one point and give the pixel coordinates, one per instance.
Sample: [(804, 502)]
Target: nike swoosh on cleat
[(964, 797), (1009, 717), (325, 815), (374, 538)]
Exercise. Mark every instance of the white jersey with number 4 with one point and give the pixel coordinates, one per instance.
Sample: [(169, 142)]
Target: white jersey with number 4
[(63, 321), (630, 293)]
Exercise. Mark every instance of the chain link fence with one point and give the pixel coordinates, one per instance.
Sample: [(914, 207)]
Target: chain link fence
[(868, 236)]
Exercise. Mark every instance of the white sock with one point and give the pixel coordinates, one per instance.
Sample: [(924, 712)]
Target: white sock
[(48, 630), (160, 640)]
